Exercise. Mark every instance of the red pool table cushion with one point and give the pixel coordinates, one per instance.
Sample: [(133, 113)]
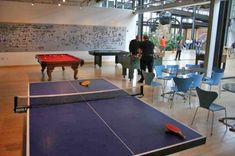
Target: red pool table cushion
[(57, 58)]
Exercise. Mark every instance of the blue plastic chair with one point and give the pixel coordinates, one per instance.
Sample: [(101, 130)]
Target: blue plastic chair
[(217, 70), (192, 66), (172, 72), (215, 79), (149, 80), (172, 69), (159, 75), (197, 80), (158, 70), (206, 99), (182, 87)]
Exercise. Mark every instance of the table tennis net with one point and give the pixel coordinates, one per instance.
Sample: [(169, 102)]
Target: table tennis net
[(22, 103)]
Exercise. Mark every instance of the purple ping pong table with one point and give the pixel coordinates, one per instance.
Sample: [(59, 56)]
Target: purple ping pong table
[(118, 126)]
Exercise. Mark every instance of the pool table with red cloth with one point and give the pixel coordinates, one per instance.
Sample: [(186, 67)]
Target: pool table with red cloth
[(50, 61)]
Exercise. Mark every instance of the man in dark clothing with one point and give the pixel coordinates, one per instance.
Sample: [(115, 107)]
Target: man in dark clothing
[(146, 59), (197, 46), (178, 50), (134, 46), (233, 47)]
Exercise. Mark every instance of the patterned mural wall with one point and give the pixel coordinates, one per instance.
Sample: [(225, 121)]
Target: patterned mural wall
[(58, 37)]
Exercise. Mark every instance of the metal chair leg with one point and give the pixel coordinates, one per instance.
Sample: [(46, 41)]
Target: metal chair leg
[(172, 99), (226, 118), (208, 115), (164, 87), (185, 97), (194, 115), (212, 122), (190, 92), (219, 89)]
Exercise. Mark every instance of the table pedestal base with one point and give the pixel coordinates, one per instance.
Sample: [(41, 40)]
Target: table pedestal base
[(225, 122)]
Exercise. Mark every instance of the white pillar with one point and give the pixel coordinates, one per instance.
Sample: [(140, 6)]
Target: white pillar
[(213, 37)]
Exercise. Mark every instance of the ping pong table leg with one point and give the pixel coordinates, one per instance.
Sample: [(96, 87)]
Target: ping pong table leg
[(142, 90), (141, 93)]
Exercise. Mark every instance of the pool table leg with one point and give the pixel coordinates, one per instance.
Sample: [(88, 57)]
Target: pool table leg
[(43, 67), (49, 71), (123, 72), (118, 58), (75, 69), (98, 60)]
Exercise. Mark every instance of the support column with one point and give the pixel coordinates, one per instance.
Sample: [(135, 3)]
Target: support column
[(211, 33), (220, 36), (181, 26), (228, 23), (133, 5), (193, 26), (115, 4), (107, 3), (140, 19)]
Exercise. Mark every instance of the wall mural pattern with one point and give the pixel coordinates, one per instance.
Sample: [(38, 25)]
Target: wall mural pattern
[(19, 37)]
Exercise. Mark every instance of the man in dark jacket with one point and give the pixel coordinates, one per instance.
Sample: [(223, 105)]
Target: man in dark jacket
[(146, 59), (233, 47), (134, 46)]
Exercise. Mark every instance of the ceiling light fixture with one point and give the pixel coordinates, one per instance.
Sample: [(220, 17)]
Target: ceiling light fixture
[(32, 4), (59, 4), (64, 1)]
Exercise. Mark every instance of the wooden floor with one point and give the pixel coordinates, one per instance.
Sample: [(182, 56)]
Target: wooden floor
[(14, 81)]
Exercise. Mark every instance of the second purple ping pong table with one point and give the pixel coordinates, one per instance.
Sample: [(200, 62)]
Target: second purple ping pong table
[(117, 126)]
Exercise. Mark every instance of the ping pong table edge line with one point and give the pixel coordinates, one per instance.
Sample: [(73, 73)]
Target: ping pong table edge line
[(165, 150), (170, 117), (176, 147), (199, 141)]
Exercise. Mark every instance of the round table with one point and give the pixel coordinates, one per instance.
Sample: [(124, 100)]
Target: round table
[(183, 71), (231, 88)]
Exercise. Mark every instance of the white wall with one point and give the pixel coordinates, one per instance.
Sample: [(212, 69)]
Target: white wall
[(18, 12)]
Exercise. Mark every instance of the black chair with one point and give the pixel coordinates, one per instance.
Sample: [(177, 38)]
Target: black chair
[(206, 99)]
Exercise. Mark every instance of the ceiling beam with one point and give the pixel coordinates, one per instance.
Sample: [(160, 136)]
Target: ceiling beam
[(169, 6), (53, 2), (188, 14)]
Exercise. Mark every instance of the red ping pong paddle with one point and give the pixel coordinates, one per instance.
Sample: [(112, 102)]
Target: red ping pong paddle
[(85, 83), (170, 128)]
